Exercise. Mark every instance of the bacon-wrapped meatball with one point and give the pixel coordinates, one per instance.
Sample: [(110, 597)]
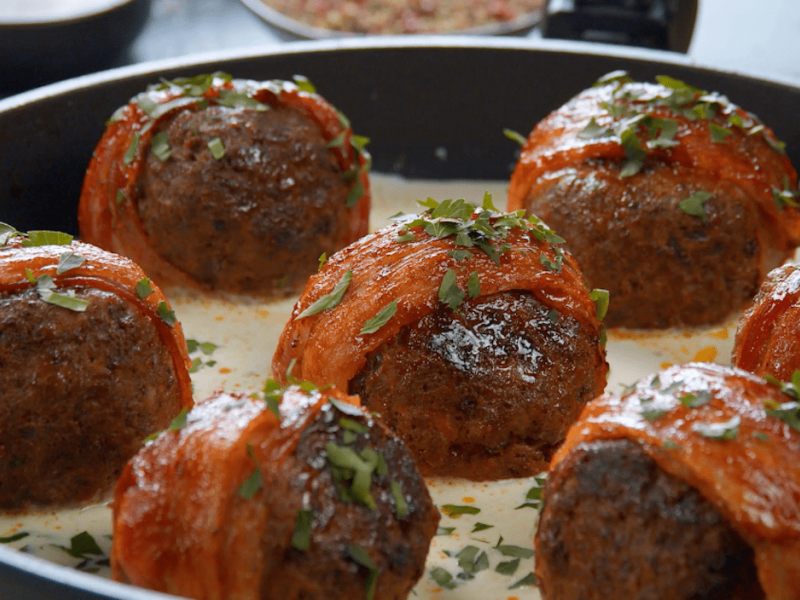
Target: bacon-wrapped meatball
[(688, 486), (768, 337), (675, 200), (91, 363), (306, 496), (467, 330), (227, 185)]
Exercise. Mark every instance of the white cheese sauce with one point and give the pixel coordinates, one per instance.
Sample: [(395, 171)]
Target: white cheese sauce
[(242, 341)]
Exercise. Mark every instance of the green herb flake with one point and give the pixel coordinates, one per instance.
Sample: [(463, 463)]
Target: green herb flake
[(473, 285), (449, 292), (166, 313), (400, 504), (452, 510), (601, 298), (460, 255), (445, 530), (355, 467), (593, 131), (515, 136), (695, 204), (179, 422), (633, 152), (529, 579), (619, 76), (69, 261), (553, 316), (273, 393), (670, 445), (379, 320), (481, 527), (160, 146), (45, 287), (216, 147), (13, 538), (697, 400), (301, 538), (508, 567), (718, 133), (130, 153), (47, 238), (322, 258), (760, 435), (338, 141), (442, 577), (232, 99), (726, 430), (304, 84), (80, 545), (514, 551), (253, 483), (352, 425), (328, 301), (788, 412), (406, 237), (360, 556), (355, 194)]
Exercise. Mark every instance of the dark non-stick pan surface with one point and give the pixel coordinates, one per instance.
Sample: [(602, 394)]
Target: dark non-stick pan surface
[(434, 107)]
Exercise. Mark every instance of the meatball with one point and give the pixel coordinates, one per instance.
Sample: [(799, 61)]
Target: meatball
[(467, 329), (675, 200), (321, 501), (615, 523), (686, 486), (229, 186), (89, 369), (768, 337)]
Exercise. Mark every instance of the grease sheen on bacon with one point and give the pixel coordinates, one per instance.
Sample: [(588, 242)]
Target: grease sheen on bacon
[(326, 348), (753, 480)]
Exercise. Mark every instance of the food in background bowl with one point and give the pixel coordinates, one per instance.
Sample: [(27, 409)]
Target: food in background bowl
[(228, 185), (672, 198), (467, 329), (302, 496), (687, 486), (92, 361)]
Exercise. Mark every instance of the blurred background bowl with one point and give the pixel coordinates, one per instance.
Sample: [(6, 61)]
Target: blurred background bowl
[(42, 41), (290, 28)]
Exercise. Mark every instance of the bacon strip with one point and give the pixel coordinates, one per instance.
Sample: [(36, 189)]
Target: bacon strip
[(104, 271), (747, 160), (752, 480), (327, 348), (108, 214)]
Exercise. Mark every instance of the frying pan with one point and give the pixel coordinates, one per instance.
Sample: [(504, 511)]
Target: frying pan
[(434, 107)]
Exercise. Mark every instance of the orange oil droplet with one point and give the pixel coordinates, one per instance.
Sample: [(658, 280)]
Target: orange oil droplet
[(468, 499), (219, 318), (707, 354), (666, 365), (722, 334), (224, 370)]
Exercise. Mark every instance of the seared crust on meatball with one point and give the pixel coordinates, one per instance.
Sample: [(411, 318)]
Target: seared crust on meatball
[(258, 217), (322, 502), (485, 393), (660, 265), (81, 392), (614, 525)]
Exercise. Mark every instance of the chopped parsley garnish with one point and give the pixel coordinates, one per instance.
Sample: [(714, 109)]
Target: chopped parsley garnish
[(179, 422), (232, 99), (718, 133), (533, 499), (322, 258), (355, 194), (442, 577), (130, 153), (379, 320), (452, 510), (515, 136), (449, 292), (253, 483), (695, 204), (301, 538), (13, 538), (347, 465), (649, 412), (473, 285), (216, 147), (304, 84), (553, 316), (529, 579), (600, 298), (166, 313), (514, 551), (480, 527), (508, 567), (328, 300), (788, 412), (160, 146), (400, 504), (273, 393), (360, 556), (444, 530), (45, 287), (593, 130), (68, 261), (47, 238), (697, 400), (726, 430), (80, 545), (471, 562)]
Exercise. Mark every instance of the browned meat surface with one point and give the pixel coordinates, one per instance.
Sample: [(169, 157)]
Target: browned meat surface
[(614, 525), (257, 218), (485, 393), (81, 390), (661, 265)]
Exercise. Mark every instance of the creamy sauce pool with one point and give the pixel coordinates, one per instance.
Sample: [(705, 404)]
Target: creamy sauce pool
[(233, 351)]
